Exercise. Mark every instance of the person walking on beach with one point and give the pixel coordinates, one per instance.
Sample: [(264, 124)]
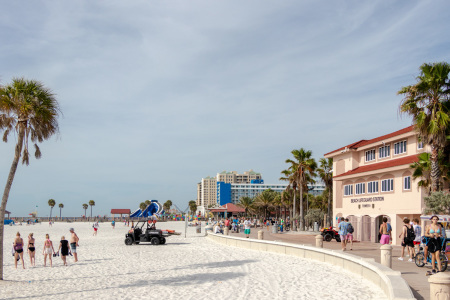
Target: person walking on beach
[(18, 250), (31, 249), (350, 230), (48, 250), (385, 232), (342, 226), (247, 225), (74, 243), (95, 228), (113, 224), (434, 233), (64, 247), (408, 237)]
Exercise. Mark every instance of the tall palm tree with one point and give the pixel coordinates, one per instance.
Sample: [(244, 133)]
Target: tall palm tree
[(325, 171), (304, 167), (427, 102), (85, 207), (52, 204), (246, 203), (277, 203), (91, 203), (286, 198), (30, 110), (61, 206)]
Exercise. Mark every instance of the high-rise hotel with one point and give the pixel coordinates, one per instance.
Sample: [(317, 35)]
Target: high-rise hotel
[(372, 178)]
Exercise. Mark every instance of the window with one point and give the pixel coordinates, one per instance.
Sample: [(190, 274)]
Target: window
[(407, 183), (400, 147), (387, 185), (348, 190), (360, 188), (384, 151), (372, 187), (370, 155), (420, 145)]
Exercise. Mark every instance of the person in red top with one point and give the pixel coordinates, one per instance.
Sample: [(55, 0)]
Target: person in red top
[(227, 223)]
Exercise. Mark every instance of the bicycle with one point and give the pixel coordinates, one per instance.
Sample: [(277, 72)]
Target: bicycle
[(419, 259)]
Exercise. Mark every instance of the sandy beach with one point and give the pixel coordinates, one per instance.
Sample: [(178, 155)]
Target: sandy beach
[(187, 268)]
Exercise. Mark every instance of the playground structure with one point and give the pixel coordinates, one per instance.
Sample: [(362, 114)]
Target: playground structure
[(154, 208)]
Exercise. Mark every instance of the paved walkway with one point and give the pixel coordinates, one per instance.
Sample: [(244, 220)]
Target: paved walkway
[(415, 276)]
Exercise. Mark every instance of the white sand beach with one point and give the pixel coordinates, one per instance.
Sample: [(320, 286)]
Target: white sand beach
[(184, 268)]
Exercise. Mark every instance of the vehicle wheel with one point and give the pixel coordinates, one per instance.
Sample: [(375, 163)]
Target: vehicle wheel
[(443, 262), (327, 237), (419, 259), (128, 241), (162, 240), (154, 241), (338, 238)]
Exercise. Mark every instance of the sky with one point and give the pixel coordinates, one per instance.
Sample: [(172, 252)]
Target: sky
[(156, 95)]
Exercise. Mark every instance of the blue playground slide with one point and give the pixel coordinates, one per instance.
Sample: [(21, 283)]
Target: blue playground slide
[(7, 222), (154, 208)]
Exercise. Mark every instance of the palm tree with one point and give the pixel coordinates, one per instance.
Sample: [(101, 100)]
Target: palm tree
[(85, 207), (277, 203), (286, 198), (30, 110), (427, 102), (246, 203), (326, 174), (148, 202), (193, 206), (142, 206), (61, 206), (91, 203), (304, 167), (51, 203), (290, 175), (167, 205), (264, 200)]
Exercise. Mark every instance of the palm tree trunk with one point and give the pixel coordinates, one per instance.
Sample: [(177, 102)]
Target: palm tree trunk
[(329, 207), (51, 208), (302, 221), (9, 181), (91, 211), (293, 213), (435, 171)]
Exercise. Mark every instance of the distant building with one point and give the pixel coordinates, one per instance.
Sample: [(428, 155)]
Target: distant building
[(229, 187)]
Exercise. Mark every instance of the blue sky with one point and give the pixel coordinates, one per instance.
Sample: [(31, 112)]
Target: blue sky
[(158, 94)]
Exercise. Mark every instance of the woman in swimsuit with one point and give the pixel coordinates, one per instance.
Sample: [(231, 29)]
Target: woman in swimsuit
[(18, 250), (31, 249), (64, 247), (434, 232), (48, 250)]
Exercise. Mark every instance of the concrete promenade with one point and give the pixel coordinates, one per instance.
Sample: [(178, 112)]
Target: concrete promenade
[(415, 276)]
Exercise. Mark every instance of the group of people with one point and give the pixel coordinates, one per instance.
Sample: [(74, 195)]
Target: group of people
[(48, 250), (234, 224)]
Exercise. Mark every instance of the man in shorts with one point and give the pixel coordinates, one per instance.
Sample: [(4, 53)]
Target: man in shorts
[(247, 225), (342, 226), (74, 243), (349, 234)]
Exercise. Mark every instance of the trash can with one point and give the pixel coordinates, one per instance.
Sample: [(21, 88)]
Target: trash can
[(274, 228), (316, 226), (198, 229)]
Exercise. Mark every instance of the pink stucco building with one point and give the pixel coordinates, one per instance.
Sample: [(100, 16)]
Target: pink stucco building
[(373, 178)]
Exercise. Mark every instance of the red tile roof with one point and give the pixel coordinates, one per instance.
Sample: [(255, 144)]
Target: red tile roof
[(120, 211), (383, 165), (229, 207), (362, 143)]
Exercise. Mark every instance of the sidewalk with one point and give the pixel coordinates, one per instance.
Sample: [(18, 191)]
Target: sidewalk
[(415, 276)]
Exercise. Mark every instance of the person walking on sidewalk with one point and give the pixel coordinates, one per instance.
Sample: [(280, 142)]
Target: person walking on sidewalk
[(343, 233), (350, 230), (418, 233), (408, 237), (385, 232), (247, 225)]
